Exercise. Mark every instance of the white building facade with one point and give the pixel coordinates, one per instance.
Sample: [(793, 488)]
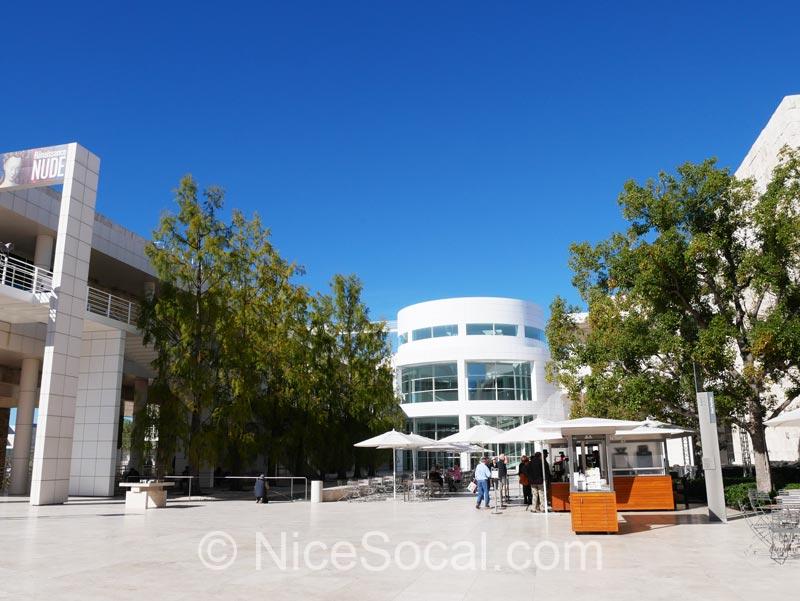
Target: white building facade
[(476, 360), (782, 129), (70, 282)]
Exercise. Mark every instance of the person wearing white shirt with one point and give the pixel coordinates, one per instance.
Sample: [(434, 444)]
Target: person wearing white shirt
[(482, 475)]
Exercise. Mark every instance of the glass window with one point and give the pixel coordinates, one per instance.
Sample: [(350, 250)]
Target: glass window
[(480, 329), (499, 381), (403, 338), (421, 334), (505, 422), (534, 333), (491, 329), (430, 382), (436, 428), (441, 331), (505, 329)]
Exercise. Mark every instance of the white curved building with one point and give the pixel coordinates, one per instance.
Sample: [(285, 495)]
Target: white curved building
[(465, 361)]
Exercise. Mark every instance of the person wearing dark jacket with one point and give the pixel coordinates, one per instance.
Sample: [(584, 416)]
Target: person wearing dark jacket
[(502, 480), (525, 481), (260, 489), (538, 472)]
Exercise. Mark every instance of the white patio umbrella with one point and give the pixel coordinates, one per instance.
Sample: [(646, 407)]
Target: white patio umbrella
[(479, 434), (785, 420), (531, 432), (395, 440), (454, 447)]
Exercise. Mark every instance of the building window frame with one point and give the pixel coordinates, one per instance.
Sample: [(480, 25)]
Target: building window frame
[(492, 329), (506, 385)]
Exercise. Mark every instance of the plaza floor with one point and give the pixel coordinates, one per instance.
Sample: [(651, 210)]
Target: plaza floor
[(89, 549)]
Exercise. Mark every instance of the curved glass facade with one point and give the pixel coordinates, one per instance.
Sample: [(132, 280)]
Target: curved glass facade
[(429, 382), (499, 381)]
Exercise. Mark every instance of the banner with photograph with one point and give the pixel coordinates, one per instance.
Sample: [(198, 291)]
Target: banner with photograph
[(35, 167)]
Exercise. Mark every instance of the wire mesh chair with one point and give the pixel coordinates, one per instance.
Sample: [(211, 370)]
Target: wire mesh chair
[(784, 530), (757, 522)]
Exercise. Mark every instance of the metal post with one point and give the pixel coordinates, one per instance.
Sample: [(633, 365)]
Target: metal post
[(190, 487), (291, 489), (712, 468)]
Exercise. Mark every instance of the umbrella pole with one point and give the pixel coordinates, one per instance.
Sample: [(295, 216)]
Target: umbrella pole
[(394, 472)]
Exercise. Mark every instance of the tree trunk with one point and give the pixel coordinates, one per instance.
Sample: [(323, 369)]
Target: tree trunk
[(760, 454)]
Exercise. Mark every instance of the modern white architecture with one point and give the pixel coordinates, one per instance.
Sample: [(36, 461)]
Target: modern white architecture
[(69, 284), (782, 129), (477, 360)]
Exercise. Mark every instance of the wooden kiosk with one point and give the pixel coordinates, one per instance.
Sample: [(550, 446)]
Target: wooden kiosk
[(599, 482), (633, 477), (593, 503)]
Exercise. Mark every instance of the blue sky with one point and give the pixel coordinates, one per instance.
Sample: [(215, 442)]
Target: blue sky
[(433, 148)]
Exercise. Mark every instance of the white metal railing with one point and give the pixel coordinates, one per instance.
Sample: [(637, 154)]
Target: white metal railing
[(24, 276), (29, 278), (113, 307)]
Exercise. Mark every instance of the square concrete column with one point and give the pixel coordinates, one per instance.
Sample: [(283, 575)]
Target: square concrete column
[(23, 428), (62, 352), (94, 445)]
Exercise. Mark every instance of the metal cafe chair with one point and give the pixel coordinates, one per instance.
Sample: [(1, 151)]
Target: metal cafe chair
[(757, 522), (784, 531)]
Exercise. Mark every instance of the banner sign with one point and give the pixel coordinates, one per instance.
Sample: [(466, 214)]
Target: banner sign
[(36, 167)]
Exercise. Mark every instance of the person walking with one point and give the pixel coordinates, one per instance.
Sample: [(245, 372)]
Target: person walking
[(537, 482), (525, 481), (260, 489), (502, 480), (482, 476)]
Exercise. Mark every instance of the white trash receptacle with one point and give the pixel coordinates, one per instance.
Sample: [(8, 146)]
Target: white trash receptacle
[(316, 491)]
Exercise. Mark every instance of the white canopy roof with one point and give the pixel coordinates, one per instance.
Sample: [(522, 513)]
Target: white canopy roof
[(591, 425), (785, 420), (651, 433), (476, 434)]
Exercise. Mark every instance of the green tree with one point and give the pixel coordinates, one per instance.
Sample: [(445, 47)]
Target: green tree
[(182, 320), (262, 344), (706, 276), (351, 392), (248, 364)]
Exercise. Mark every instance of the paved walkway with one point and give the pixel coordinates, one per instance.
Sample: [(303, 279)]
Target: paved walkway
[(90, 550)]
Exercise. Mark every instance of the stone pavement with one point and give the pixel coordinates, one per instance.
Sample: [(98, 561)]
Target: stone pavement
[(90, 550)]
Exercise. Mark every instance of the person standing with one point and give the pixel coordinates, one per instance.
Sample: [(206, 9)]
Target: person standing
[(482, 476), (537, 482), (548, 478), (525, 481), (260, 489), (502, 479)]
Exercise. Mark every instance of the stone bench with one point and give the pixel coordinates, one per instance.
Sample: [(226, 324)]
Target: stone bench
[(145, 495)]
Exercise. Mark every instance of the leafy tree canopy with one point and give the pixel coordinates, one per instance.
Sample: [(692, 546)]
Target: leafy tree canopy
[(704, 283)]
